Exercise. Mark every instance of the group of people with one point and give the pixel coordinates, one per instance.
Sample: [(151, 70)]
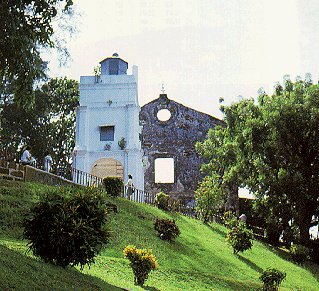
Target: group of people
[(28, 159)]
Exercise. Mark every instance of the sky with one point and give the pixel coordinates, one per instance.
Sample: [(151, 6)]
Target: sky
[(199, 49)]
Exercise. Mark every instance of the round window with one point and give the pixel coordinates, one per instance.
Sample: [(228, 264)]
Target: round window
[(163, 115)]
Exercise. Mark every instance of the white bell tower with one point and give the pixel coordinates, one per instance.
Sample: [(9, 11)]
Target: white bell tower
[(107, 123)]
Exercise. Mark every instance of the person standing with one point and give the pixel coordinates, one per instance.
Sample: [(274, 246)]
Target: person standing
[(47, 162), (129, 187)]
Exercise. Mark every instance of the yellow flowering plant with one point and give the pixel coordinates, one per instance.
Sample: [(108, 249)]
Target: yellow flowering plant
[(142, 262)]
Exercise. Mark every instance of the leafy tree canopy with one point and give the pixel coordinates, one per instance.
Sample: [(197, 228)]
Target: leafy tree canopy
[(26, 28), (50, 126), (271, 147)]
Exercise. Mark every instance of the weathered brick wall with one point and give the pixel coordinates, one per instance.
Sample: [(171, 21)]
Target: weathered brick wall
[(174, 138)]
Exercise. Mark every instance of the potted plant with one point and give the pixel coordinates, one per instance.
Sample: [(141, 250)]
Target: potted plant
[(122, 143)]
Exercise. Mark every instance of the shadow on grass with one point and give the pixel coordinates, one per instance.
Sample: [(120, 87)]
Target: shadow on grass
[(216, 229), (18, 271), (150, 288), (285, 255), (279, 252), (308, 265), (250, 264), (207, 278)]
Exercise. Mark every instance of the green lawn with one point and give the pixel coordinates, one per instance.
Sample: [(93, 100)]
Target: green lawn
[(199, 259)]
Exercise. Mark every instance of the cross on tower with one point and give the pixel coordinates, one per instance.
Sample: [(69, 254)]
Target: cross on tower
[(163, 89)]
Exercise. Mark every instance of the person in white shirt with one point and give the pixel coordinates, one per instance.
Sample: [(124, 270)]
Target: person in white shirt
[(26, 158), (47, 162), (129, 187)]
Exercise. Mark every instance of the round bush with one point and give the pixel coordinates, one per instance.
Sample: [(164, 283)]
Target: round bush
[(271, 279), (167, 229), (113, 186), (162, 201), (68, 230), (240, 238)]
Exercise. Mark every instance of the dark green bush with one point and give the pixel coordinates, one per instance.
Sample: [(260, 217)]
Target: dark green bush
[(113, 186), (167, 229), (162, 201), (299, 253), (240, 238), (271, 279), (68, 230)]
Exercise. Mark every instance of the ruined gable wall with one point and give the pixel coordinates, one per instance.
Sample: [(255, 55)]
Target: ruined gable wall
[(174, 138)]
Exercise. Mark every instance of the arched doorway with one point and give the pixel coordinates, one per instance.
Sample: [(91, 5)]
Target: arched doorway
[(107, 167)]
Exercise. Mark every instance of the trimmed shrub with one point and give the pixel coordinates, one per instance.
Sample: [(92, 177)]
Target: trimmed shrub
[(240, 238), (271, 279), (68, 230), (142, 263), (299, 253), (167, 229), (162, 201), (113, 186), (230, 219)]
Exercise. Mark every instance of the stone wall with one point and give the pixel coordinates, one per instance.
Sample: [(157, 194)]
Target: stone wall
[(17, 172), (11, 171), (174, 138), (36, 175)]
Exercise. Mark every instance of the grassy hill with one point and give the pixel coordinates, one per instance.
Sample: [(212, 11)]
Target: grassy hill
[(199, 259)]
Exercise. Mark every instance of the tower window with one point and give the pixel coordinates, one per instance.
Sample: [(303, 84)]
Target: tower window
[(164, 170), (106, 133)]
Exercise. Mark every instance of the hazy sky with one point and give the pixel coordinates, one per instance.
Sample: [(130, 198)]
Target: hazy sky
[(200, 49)]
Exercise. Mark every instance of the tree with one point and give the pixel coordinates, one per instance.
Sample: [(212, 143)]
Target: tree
[(63, 98), (26, 28), (209, 198), (275, 152), (50, 126)]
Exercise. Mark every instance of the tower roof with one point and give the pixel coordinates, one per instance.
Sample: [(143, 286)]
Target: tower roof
[(114, 56), (113, 66)]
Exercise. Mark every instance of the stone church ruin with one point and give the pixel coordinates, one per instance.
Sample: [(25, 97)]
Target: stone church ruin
[(173, 139)]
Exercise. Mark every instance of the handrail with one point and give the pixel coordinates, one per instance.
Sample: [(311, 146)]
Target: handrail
[(140, 196), (86, 179)]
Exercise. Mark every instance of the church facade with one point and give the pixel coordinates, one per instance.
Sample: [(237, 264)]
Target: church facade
[(169, 141), (115, 137)]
